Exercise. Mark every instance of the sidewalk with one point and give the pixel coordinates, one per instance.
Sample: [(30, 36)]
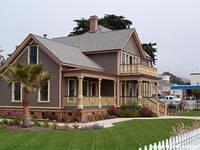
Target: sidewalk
[(109, 122)]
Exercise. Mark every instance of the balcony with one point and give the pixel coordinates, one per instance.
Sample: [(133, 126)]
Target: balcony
[(137, 69), (89, 101)]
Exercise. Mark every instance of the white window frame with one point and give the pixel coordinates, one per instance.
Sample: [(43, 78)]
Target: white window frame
[(13, 93), (39, 96), (75, 87), (29, 53), (122, 57)]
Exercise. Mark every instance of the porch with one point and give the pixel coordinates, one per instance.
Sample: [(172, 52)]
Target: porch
[(85, 91), (141, 92), (137, 69)]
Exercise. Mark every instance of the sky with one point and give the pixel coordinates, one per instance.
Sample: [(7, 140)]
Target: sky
[(173, 24)]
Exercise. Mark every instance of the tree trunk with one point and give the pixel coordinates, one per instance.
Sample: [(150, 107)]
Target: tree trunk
[(26, 122)]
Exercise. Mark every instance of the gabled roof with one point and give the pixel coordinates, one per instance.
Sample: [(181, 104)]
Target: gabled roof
[(102, 39), (67, 54)]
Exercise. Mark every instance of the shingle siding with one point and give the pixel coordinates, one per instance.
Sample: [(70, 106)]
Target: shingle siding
[(48, 65), (107, 60), (131, 47)]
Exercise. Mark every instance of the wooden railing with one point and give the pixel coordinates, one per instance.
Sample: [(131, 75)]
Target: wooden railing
[(89, 101), (157, 106), (137, 69), (127, 100)]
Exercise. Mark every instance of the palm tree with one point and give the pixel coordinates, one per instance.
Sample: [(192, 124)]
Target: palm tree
[(31, 78)]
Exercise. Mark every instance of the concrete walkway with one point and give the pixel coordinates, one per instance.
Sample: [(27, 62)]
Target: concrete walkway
[(110, 122)]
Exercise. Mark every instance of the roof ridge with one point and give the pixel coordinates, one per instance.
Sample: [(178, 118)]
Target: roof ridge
[(54, 41), (95, 32)]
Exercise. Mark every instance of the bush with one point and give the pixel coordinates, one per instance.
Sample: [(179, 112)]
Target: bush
[(147, 112), (5, 121), (128, 113), (36, 123), (75, 125), (54, 125), (50, 116), (46, 124), (113, 111)]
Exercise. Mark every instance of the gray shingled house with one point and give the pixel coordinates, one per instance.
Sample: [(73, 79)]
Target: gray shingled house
[(91, 72)]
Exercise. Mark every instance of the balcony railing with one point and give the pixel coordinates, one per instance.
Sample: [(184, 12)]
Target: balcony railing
[(89, 101), (137, 69)]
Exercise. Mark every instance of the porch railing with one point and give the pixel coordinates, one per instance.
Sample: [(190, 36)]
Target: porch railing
[(137, 69), (127, 100), (153, 104), (89, 101)]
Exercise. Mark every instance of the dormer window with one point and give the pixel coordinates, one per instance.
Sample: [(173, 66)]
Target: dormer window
[(33, 54)]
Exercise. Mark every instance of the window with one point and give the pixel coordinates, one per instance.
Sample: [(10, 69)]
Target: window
[(16, 92), (71, 87), (85, 88), (44, 92), (123, 58), (33, 54)]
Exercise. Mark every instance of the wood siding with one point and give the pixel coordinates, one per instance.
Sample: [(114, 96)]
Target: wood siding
[(48, 65), (107, 60)]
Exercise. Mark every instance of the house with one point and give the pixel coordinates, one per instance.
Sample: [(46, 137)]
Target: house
[(164, 85), (91, 72)]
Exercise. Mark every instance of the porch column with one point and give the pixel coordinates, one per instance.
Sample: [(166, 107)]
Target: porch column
[(150, 89), (139, 91), (118, 92), (125, 92), (80, 92), (156, 89), (99, 93), (114, 89)]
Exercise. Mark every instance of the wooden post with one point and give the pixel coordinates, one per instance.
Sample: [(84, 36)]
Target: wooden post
[(140, 91), (80, 92), (99, 93), (118, 92), (125, 92)]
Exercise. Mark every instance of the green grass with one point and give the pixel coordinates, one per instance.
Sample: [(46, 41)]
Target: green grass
[(123, 136), (188, 113)]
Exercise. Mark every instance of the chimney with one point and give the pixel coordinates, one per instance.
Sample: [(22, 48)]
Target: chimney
[(93, 23)]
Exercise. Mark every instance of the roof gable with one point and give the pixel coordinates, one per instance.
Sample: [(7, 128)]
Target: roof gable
[(60, 53)]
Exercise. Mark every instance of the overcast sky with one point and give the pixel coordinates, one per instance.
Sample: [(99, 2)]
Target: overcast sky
[(173, 24)]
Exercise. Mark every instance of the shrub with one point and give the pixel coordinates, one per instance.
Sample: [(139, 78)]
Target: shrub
[(5, 121), (16, 121), (113, 111), (50, 116), (147, 112), (54, 125), (46, 124), (75, 125), (1, 124), (36, 123)]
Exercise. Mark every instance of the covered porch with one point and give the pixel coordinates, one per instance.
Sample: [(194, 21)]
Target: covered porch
[(134, 90), (141, 91), (82, 90)]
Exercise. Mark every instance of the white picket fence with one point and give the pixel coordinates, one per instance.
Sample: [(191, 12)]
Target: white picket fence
[(185, 141)]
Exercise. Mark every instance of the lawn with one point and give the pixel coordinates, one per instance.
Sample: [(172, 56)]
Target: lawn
[(188, 113), (123, 136)]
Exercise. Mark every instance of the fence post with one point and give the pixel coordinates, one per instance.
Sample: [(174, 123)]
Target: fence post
[(155, 146), (150, 147)]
